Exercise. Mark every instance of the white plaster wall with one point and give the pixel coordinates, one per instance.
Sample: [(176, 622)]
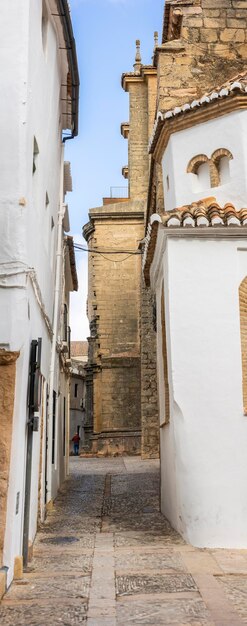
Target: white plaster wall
[(30, 108), (167, 447), (203, 449), (23, 331), (227, 132)]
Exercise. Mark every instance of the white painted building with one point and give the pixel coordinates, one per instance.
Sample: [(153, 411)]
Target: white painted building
[(196, 261), (79, 359), (38, 109)]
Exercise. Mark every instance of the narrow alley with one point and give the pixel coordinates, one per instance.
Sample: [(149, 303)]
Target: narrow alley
[(106, 556)]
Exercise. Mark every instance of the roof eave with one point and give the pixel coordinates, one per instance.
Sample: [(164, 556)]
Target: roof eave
[(64, 14)]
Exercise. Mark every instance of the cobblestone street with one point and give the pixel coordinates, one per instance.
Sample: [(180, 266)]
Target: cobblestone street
[(106, 556)]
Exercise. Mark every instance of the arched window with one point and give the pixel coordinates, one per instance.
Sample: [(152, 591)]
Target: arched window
[(198, 167), (220, 167), (243, 333), (206, 173)]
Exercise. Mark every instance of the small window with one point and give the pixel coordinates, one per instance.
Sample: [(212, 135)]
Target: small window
[(47, 201), (76, 390), (35, 154), (167, 183), (52, 223)]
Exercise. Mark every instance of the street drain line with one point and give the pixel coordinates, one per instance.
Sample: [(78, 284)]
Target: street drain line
[(106, 505)]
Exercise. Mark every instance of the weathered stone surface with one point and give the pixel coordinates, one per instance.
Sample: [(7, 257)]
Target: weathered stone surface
[(59, 586), (114, 303), (233, 34), (149, 395), (148, 560), (214, 24), (235, 588), (68, 613), (164, 613), (159, 579), (154, 584)]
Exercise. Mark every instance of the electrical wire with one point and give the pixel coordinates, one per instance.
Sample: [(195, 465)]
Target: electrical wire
[(115, 260), (103, 253)]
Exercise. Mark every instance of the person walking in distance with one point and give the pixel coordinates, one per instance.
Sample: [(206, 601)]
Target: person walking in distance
[(76, 442)]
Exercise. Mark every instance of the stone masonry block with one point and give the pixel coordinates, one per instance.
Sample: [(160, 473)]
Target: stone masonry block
[(209, 35), (211, 13), (194, 22), (232, 34), (213, 4), (236, 23), (239, 4), (217, 22)]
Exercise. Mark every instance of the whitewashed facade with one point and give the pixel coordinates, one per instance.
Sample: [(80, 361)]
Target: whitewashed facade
[(196, 259), (37, 270)]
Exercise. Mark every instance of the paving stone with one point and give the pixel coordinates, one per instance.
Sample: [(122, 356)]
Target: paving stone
[(62, 562), (163, 613), (44, 542), (235, 588), (231, 561), (69, 614), (106, 528), (58, 586), (154, 584), (130, 538), (149, 560)]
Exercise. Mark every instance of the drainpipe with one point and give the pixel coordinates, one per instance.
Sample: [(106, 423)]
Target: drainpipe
[(56, 322)]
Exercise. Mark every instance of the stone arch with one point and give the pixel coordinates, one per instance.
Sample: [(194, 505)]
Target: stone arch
[(218, 158), (243, 335), (221, 152), (196, 162), (198, 168)]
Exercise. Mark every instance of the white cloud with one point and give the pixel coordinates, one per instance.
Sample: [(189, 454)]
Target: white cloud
[(78, 299)]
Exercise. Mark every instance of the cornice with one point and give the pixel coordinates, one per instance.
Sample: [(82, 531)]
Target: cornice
[(117, 215), (137, 77), (125, 171), (168, 47), (196, 116), (88, 230), (7, 357), (125, 129)]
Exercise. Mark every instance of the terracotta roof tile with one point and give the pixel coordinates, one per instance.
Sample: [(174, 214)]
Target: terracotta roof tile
[(206, 213)]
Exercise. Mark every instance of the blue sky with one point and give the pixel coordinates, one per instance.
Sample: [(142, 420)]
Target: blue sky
[(105, 33)]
